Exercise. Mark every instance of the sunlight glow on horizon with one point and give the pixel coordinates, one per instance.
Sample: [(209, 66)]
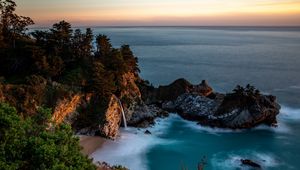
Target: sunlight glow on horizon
[(163, 12)]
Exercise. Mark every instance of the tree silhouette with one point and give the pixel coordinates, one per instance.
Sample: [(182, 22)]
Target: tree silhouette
[(13, 26), (104, 46), (130, 60)]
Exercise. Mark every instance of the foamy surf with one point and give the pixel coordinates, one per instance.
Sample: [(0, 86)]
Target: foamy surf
[(131, 147), (232, 160), (288, 113)]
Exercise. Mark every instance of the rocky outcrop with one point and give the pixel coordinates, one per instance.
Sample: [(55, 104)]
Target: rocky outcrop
[(206, 111), (65, 109), (240, 109), (171, 92), (138, 113), (109, 127), (245, 112), (144, 115), (192, 106), (175, 89), (202, 89), (250, 163), (130, 89)]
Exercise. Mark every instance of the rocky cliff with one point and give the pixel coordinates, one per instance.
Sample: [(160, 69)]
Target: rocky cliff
[(137, 112), (65, 109), (244, 108), (112, 119)]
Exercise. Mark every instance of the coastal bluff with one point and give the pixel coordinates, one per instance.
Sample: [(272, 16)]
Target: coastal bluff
[(243, 108)]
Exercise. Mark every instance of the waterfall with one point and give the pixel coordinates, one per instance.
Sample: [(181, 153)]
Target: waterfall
[(123, 113)]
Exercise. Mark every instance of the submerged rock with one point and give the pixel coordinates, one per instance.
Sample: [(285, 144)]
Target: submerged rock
[(250, 163), (147, 132)]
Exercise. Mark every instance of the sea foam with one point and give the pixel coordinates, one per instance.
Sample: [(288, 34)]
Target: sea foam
[(131, 148), (288, 113), (232, 160)]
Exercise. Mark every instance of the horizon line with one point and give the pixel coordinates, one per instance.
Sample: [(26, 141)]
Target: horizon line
[(132, 26)]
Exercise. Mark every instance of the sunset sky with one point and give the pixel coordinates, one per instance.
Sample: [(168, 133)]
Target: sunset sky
[(162, 12)]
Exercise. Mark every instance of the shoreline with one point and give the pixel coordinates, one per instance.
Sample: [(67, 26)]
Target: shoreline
[(90, 144)]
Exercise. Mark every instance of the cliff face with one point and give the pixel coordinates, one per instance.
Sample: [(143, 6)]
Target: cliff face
[(74, 106), (66, 108), (27, 98), (130, 89), (112, 119), (137, 112)]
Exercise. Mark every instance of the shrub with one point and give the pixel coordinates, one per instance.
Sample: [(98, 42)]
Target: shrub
[(30, 143)]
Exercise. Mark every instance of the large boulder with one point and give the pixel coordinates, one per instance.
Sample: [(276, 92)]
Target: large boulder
[(144, 115)]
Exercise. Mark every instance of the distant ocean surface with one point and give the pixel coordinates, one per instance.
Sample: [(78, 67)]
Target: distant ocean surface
[(268, 58)]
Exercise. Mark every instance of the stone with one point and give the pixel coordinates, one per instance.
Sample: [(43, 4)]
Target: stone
[(147, 132), (112, 119), (250, 163), (233, 110)]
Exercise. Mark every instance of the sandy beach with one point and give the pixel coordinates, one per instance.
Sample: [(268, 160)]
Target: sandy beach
[(90, 143)]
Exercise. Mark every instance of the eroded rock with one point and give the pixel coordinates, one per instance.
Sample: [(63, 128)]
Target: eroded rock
[(112, 119)]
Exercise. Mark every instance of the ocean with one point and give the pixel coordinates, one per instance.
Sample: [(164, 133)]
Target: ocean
[(266, 57)]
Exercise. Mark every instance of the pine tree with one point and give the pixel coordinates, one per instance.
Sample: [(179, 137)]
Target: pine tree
[(104, 46), (130, 60)]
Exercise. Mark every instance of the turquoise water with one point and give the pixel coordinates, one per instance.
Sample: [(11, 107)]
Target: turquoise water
[(268, 58)]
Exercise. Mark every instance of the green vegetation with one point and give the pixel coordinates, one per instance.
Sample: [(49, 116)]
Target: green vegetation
[(249, 90), (37, 143), (58, 62), (40, 67), (241, 97)]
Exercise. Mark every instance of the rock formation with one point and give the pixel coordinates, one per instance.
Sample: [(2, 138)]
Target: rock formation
[(112, 119), (250, 163), (66, 108), (172, 91), (244, 108)]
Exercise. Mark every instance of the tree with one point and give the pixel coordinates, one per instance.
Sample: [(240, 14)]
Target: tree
[(82, 44), (87, 41), (60, 40), (12, 25), (101, 82), (29, 143), (130, 60), (104, 46)]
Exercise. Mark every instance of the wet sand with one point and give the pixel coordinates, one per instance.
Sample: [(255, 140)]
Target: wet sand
[(90, 143)]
